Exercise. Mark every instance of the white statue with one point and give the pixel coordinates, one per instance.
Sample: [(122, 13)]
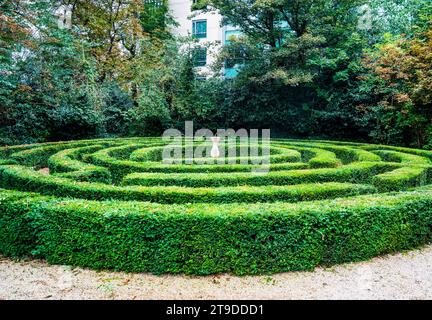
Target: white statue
[(215, 153)]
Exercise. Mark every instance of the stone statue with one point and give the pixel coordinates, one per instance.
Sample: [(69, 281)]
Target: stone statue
[(215, 153)]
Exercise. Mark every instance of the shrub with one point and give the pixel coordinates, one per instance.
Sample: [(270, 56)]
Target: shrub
[(339, 202)]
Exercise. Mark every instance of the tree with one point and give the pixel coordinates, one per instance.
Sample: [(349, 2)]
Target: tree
[(338, 86), (287, 47), (401, 79), (48, 88)]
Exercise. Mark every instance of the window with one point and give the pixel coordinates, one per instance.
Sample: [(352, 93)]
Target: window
[(236, 52), (237, 57), (232, 35), (199, 29), (199, 56)]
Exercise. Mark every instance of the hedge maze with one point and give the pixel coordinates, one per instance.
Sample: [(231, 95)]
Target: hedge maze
[(114, 204)]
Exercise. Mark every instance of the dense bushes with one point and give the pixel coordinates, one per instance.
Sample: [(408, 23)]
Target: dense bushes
[(402, 178), (325, 77), (205, 239), (356, 173), (112, 204), (28, 180)]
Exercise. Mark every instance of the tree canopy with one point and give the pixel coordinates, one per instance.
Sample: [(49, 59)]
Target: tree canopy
[(346, 69)]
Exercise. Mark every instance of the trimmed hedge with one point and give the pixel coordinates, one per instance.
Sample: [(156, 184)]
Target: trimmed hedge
[(402, 178), (24, 179), (7, 162), (120, 167), (112, 204), (205, 239), (405, 158), (346, 154), (66, 164), (277, 155), (324, 159), (356, 173)]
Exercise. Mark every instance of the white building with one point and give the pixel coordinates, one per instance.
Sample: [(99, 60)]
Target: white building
[(207, 28)]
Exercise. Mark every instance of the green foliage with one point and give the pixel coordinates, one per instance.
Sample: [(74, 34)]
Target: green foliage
[(113, 204), (399, 74), (54, 83), (206, 239), (305, 68), (17, 177), (303, 74), (402, 178), (155, 19)]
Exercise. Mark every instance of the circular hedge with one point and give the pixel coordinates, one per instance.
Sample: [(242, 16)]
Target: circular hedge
[(114, 204)]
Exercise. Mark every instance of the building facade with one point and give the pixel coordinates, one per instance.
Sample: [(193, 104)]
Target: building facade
[(207, 28)]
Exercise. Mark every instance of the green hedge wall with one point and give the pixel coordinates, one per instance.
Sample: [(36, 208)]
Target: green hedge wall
[(113, 204), (204, 239)]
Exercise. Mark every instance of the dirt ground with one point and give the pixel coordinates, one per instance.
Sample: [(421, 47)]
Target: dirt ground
[(400, 276)]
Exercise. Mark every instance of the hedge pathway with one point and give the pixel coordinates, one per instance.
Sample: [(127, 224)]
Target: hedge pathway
[(114, 204)]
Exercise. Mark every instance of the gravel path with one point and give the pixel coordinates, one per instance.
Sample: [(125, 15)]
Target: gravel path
[(400, 276)]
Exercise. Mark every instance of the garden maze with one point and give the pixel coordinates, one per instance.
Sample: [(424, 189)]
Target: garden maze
[(114, 204)]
